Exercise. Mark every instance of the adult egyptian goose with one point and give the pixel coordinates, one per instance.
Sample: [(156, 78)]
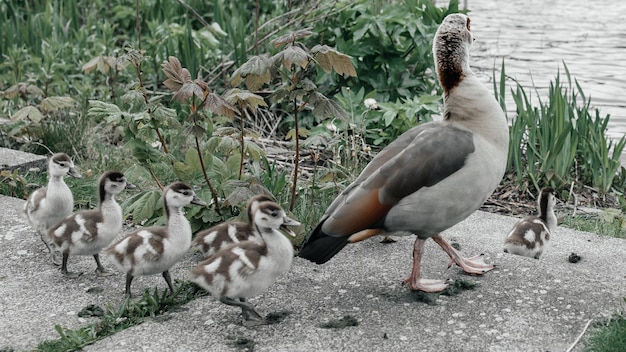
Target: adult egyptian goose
[(531, 235), (432, 176), (246, 269), (87, 232), (156, 249), (211, 240), (48, 205)]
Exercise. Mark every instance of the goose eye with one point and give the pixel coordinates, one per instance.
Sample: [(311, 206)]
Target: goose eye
[(62, 164)]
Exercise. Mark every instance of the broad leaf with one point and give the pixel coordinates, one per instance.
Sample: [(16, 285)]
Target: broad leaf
[(143, 205), (195, 130), (176, 74), (218, 105), (244, 99), (27, 113), (22, 89), (291, 37), (104, 64), (331, 59), (51, 104), (256, 72), (302, 132), (188, 90), (101, 110), (324, 107), (253, 150), (292, 55)]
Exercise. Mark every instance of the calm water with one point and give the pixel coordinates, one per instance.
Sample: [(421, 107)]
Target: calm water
[(535, 37)]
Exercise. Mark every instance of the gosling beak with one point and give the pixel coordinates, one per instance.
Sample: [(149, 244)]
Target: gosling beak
[(130, 186), (72, 172), (287, 221), (198, 201)]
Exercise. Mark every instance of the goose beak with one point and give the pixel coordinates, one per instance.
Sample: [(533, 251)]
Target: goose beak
[(198, 201), (74, 173), (287, 221), (130, 186)]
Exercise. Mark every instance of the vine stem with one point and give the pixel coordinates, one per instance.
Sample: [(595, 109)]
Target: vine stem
[(296, 160), (243, 149), (206, 177), (156, 179)]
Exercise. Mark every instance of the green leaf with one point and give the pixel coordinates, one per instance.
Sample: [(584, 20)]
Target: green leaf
[(52, 104), (324, 107), (253, 150), (104, 64), (331, 59), (244, 99), (101, 110), (176, 74), (143, 205), (195, 130), (292, 55), (256, 72), (27, 113), (218, 105)]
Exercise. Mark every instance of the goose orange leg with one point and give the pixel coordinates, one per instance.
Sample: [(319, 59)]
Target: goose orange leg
[(414, 281), (474, 265)]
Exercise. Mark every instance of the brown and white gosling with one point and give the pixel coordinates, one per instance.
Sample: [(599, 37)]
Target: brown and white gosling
[(48, 205), (213, 239), (530, 236), (88, 232), (156, 249), (246, 269)]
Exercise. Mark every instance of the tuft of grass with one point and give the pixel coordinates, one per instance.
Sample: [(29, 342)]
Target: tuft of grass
[(276, 317), (241, 343), (561, 140), (91, 310), (128, 313), (453, 289), (344, 322), (610, 222), (609, 336)]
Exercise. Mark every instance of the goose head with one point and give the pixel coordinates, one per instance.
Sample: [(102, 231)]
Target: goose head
[(253, 205), (60, 165), (112, 183), (546, 200), (178, 195), (451, 48), (270, 216)]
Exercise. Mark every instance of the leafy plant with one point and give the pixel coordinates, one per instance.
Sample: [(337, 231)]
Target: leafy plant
[(610, 222), (127, 314), (560, 141), (13, 184), (393, 46), (295, 62), (609, 336)]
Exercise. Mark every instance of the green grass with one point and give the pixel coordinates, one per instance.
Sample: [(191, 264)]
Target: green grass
[(128, 313), (453, 289), (609, 336), (610, 222)]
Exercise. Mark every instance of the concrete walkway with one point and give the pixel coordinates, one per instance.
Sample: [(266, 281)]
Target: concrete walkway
[(523, 305)]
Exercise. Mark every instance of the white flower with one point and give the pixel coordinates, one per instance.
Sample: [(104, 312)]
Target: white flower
[(331, 126), (371, 104)]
